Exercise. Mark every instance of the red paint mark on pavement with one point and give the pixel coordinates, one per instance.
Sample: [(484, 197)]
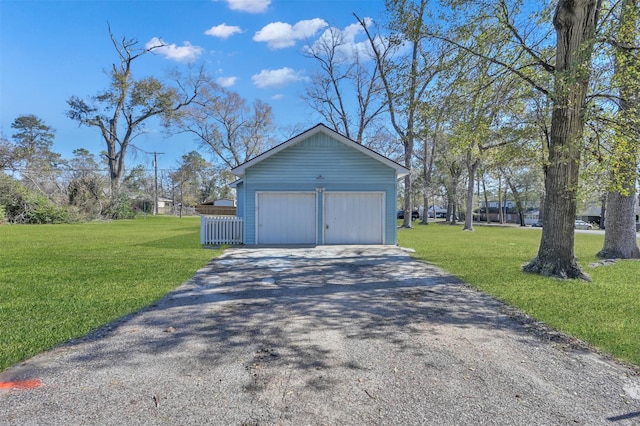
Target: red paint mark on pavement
[(21, 384)]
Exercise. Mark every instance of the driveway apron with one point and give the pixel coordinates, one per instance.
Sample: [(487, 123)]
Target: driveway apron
[(329, 335)]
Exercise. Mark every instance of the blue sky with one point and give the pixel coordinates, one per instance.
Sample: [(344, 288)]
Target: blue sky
[(53, 49)]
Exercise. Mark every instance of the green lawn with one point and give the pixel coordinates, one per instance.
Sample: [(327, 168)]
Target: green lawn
[(58, 282), (605, 312)]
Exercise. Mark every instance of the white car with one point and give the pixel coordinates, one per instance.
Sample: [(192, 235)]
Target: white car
[(581, 224)]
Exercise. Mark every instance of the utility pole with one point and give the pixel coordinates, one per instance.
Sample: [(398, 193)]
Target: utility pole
[(155, 192)]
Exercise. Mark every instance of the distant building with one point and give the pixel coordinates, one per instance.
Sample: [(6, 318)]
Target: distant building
[(509, 211)]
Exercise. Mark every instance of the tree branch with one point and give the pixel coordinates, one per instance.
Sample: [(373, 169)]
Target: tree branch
[(495, 61)]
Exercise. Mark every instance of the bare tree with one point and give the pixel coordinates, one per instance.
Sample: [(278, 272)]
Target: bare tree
[(121, 111), (346, 90), (406, 77), (225, 123)]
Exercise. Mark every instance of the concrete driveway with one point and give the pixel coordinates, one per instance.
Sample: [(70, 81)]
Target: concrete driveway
[(326, 335)]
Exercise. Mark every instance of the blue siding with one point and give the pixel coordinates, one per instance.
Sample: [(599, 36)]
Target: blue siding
[(318, 162), (240, 202)]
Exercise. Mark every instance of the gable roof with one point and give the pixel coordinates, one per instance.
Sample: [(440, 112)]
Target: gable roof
[(321, 128)]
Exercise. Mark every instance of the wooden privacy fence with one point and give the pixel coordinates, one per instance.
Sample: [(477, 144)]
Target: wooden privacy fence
[(216, 210), (221, 230)]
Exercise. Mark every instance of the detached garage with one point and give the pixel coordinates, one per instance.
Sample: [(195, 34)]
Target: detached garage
[(318, 188)]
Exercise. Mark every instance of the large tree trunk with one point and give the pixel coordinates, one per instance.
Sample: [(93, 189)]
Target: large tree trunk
[(575, 22), (620, 240)]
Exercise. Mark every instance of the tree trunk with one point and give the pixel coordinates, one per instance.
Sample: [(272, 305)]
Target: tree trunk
[(425, 210), (427, 164), (408, 208), (471, 180), (452, 195), (468, 219), (486, 199), (620, 240), (451, 209), (500, 209), (518, 199), (575, 22), (504, 207)]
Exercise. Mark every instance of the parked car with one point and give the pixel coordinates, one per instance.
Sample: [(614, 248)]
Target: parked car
[(414, 214), (439, 215), (581, 224), (538, 224)]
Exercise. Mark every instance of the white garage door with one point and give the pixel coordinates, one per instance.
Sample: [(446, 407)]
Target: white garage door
[(286, 218), (354, 218)]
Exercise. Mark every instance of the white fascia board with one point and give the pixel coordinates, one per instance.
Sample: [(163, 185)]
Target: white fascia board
[(235, 183)]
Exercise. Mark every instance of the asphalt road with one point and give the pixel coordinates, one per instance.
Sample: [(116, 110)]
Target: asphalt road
[(327, 335)]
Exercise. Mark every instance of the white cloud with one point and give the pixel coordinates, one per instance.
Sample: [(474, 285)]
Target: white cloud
[(226, 81), (251, 6), (223, 31), (276, 78), (349, 49), (351, 31), (185, 53), (277, 97), (279, 35)]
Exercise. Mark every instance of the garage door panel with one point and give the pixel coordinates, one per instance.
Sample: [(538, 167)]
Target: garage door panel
[(354, 218), (286, 218)]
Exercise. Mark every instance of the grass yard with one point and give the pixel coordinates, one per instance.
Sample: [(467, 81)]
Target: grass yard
[(58, 282), (605, 312)]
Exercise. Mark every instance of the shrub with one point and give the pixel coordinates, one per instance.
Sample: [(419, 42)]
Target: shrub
[(85, 196), (121, 208), (21, 205)]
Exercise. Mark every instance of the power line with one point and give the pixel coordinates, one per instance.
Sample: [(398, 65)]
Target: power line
[(68, 169)]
